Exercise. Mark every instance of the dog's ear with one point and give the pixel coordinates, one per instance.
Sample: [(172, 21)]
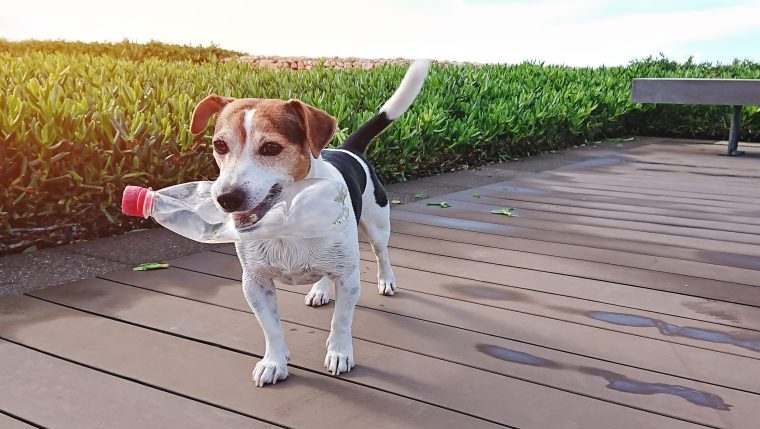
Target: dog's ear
[(319, 126), (207, 108)]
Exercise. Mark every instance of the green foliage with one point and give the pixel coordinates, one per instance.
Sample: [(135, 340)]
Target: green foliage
[(125, 50), (77, 127)]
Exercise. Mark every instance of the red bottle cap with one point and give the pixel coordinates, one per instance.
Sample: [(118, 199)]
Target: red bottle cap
[(133, 201)]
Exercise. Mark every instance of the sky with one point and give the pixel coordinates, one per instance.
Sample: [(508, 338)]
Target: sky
[(571, 32)]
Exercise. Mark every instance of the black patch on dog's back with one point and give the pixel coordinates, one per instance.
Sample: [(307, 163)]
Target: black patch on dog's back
[(381, 198), (353, 173)]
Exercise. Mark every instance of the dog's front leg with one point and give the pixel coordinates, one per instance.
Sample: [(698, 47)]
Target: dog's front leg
[(340, 350), (260, 294)]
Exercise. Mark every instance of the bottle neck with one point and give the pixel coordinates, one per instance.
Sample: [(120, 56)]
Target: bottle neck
[(149, 204)]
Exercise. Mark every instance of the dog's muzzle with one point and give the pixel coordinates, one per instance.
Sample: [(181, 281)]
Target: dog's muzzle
[(249, 218)]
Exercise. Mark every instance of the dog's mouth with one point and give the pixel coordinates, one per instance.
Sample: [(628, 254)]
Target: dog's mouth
[(249, 218)]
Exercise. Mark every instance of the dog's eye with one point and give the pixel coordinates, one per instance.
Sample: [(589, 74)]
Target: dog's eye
[(270, 149), (221, 147)]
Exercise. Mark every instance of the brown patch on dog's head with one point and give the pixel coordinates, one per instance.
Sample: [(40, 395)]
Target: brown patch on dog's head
[(281, 135), (317, 124)]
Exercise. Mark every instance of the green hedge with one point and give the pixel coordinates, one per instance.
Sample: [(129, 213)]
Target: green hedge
[(76, 128), (125, 50)]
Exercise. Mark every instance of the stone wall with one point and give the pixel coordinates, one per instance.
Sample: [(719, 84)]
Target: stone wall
[(304, 63)]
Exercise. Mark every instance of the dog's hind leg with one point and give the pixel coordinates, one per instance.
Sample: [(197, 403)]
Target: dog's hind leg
[(376, 223), (319, 294), (260, 294)]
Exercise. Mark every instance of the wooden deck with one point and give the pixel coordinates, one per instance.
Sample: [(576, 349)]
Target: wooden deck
[(625, 295)]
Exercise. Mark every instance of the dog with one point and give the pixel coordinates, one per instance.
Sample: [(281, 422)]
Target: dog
[(261, 144)]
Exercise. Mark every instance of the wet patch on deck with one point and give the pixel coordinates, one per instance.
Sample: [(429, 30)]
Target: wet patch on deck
[(615, 381), (671, 330)]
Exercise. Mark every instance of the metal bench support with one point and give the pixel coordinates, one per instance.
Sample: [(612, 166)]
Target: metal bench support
[(733, 135)]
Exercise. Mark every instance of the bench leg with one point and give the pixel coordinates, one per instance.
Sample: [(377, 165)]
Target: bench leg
[(733, 135)]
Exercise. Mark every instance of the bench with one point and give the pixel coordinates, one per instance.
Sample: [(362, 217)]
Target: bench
[(729, 92)]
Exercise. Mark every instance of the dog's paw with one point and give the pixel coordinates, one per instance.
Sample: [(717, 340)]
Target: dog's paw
[(317, 297), (339, 358), (269, 371), (319, 294), (386, 285)]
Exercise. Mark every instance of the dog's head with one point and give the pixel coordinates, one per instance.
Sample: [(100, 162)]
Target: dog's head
[(259, 145)]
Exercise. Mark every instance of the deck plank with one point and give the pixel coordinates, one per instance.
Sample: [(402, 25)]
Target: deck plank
[(652, 162), (428, 377), (606, 191), (211, 374), (682, 178), (604, 256), (694, 238), (688, 285), (674, 184), (640, 190), (54, 393), (727, 259), (629, 214), (513, 191)]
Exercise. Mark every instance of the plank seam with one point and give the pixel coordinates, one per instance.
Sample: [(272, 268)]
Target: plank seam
[(22, 419)]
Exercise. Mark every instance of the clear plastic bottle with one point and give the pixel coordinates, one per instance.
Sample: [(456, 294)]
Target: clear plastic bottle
[(303, 209)]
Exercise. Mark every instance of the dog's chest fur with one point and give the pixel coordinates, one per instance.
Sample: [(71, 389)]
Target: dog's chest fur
[(305, 260), (300, 261)]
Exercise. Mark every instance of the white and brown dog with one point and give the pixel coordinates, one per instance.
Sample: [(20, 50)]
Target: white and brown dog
[(260, 144)]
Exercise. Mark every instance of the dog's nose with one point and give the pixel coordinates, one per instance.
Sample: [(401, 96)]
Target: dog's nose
[(231, 201)]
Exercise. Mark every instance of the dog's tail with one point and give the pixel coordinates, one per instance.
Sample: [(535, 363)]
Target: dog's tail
[(410, 86)]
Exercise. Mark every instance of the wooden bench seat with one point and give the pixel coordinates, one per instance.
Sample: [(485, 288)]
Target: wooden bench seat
[(729, 92)]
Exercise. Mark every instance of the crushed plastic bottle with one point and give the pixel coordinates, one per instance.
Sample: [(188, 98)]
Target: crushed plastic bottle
[(303, 209)]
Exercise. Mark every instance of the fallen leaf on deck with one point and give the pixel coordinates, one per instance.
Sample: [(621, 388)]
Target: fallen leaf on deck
[(503, 211), (148, 266), (442, 204)]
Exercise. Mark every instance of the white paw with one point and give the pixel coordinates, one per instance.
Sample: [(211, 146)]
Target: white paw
[(317, 297), (340, 357), (386, 285), (269, 371)]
